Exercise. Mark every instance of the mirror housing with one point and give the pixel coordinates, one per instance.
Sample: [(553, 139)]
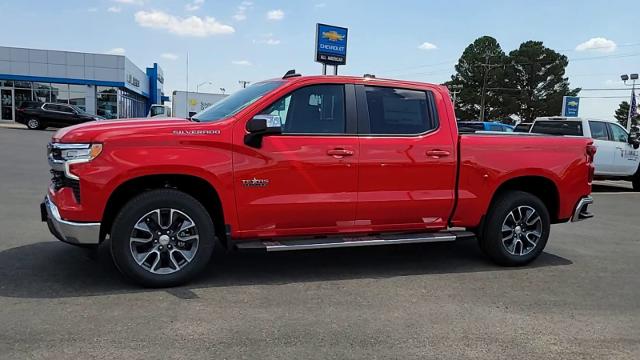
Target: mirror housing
[(260, 126)]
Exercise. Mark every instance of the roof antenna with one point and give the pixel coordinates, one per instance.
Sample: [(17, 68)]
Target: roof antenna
[(291, 73)]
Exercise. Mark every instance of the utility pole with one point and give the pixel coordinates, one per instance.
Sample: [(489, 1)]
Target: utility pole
[(488, 67), (455, 90), (244, 83)]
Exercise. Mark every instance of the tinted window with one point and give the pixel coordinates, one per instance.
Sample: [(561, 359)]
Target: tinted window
[(618, 133), (470, 127), (558, 127), (598, 130), (522, 128), (317, 109), (398, 111), (493, 127)]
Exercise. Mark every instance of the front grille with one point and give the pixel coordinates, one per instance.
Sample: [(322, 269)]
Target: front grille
[(60, 181)]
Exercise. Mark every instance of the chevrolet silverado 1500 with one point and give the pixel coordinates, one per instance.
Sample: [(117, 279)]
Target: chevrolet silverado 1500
[(304, 163)]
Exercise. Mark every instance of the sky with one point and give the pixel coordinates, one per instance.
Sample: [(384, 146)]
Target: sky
[(228, 41)]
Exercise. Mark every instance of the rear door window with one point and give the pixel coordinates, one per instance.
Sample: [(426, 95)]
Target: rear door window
[(598, 130), (395, 111), (558, 127)]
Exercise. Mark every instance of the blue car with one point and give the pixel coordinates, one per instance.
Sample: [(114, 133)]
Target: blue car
[(473, 126)]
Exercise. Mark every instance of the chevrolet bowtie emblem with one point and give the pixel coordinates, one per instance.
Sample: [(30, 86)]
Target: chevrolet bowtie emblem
[(255, 182)]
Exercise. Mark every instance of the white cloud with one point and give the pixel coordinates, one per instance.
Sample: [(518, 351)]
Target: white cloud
[(130, 2), (169, 56), (275, 15), (114, 9), (190, 26), (241, 11), (241, 62), (267, 39), (194, 5), (597, 44), (427, 46), (116, 51)]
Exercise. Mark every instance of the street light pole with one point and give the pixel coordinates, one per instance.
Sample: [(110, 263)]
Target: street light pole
[(633, 78), (203, 83)]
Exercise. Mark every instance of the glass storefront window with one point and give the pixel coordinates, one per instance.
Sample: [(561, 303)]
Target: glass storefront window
[(107, 102), (21, 95), (23, 84), (6, 83)]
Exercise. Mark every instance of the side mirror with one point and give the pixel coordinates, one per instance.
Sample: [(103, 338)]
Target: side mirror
[(260, 126)]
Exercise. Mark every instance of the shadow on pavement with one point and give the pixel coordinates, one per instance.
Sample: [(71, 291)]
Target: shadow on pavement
[(596, 188), (57, 270)]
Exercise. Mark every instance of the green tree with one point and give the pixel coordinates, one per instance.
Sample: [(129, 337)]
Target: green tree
[(481, 65), (535, 81), (623, 112)]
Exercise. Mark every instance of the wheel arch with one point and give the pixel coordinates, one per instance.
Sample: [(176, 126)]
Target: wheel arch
[(201, 189), (542, 187)]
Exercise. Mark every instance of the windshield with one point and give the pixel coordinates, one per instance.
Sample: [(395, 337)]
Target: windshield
[(232, 104), (77, 109)]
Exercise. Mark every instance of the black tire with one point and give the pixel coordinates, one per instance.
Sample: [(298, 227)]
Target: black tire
[(635, 181), (492, 243), (135, 210), (34, 124)]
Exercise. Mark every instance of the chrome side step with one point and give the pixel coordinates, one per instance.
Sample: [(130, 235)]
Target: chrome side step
[(290, 244)]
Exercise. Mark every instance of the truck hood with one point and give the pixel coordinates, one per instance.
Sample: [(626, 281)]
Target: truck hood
[(98, 131)]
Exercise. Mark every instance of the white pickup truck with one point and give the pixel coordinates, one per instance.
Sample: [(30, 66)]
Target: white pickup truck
[(617, 157)]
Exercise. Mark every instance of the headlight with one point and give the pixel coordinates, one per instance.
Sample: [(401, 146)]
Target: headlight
[(62, 156), (81, 152)]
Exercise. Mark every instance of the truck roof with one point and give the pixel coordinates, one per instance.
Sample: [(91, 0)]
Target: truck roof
[(348, 79), (564, 118)]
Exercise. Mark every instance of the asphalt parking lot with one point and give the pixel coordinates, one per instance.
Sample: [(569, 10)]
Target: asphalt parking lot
[(580, 299)]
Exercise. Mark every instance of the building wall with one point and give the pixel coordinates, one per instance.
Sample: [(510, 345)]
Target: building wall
[(61, 65)]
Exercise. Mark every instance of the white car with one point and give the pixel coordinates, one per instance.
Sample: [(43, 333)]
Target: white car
[(617, 157)]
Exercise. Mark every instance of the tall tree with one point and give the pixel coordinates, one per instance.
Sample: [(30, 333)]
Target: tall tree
[(480, 66), (623, 112), (535, 81)]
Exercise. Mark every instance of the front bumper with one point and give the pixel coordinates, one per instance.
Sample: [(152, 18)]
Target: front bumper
[(581, 211), (67, 231)]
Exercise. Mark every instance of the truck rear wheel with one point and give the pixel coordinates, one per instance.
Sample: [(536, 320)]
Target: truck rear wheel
[(162, 238), (516, 229)]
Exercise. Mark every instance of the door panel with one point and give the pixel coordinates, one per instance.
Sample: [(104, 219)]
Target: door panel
[(304, 181), (405, 181), (625, 156), (604, 158)]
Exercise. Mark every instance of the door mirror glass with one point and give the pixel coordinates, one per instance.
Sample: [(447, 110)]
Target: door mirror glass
[(260, 126)]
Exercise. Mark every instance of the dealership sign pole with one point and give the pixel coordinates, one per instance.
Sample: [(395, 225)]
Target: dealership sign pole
[(570, 106), (331, 46)]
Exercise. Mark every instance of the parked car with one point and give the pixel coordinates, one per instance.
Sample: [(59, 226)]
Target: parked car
[(617, 156), (523, 127), (37, 115), (309, 163), (473, 126)]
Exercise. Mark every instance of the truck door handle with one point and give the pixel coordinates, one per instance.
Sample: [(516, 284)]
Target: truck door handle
[(438, 153), (339, 152)]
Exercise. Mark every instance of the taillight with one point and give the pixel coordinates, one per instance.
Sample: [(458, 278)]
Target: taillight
[(591, 152)]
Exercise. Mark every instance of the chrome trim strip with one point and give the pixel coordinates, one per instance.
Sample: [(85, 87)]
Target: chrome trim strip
[(72, 232), (326, 243), (587, 200)]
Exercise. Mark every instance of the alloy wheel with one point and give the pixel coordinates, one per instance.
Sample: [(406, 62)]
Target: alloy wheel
[(164, 241), (521, 230)]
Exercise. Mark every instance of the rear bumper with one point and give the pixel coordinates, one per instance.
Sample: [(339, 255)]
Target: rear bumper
[(581, 211), (68, 231)]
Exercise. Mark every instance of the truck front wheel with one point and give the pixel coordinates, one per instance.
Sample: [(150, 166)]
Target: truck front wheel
[(162, 238), (516, 229)]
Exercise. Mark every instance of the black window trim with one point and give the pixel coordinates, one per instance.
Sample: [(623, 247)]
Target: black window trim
[(606, 129), (364, 124), (350, 112)]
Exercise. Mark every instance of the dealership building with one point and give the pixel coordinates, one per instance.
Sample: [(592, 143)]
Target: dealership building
[(107, 85)]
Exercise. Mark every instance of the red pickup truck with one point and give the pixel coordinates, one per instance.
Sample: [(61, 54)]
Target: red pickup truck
[(305, 163)]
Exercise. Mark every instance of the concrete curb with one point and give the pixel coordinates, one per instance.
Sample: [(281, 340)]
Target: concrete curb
[(12, 126)]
